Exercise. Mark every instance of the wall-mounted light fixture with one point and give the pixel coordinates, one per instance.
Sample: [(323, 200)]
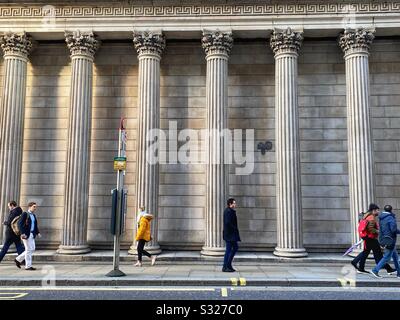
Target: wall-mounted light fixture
[(264, 146)]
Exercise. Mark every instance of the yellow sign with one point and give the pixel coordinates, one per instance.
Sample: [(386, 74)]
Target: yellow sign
[(119, 163)]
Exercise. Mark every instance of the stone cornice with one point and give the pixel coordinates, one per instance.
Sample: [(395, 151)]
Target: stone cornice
[(149, 42), (82, 43), (358, 40), (217, 42), (286, 41), (16, 44), (206, 9)]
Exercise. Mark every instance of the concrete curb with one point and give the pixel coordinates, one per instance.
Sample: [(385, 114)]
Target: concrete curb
[(196, 282)]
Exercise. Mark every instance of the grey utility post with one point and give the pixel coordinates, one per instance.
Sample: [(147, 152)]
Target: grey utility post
[(119, 201)]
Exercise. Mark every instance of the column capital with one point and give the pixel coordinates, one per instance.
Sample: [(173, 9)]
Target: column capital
[(16, 44), (217, 42), (148, 42), (286, 41), (356, 40), (82, 43)]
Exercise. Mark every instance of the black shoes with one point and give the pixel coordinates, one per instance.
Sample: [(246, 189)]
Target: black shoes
[(362, 271), (228, 270), (391, 271), (17, 263), (31, 269)]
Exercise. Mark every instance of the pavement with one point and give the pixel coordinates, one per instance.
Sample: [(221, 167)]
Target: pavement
[(173, 269)]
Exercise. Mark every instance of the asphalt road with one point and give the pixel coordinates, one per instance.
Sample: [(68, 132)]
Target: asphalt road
[(197, 293)]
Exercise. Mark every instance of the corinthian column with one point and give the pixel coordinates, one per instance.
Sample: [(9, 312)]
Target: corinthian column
[(286, 45), (16, 48), (74, 240), (355, 45), (149, 47), (217, 46)]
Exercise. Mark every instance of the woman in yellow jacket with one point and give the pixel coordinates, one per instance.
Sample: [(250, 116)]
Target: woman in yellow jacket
[(143, 235)]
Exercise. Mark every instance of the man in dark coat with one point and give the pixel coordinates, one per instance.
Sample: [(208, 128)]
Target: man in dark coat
[(28, 225), (230, 235), (11, 237)]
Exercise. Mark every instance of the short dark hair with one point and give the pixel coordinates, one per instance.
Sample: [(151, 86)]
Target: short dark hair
[(388, 208), (230, 201), (30, 204), (13, 203), (372, 207)]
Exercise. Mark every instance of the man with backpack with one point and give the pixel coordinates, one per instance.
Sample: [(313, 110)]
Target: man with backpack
[(11, 237), (368, 230), (29, 229), (387, 240)]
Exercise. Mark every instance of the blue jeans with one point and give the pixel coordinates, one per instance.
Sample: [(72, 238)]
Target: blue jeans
[(230, 251), (370, 244), (387, 255), (7, 244)]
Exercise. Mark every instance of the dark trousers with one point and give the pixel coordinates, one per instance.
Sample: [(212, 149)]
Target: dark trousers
[(7, 244), (230, 251), (370, 244), (141, 251)]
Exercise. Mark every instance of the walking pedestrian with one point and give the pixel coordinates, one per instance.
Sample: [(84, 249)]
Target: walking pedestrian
[(230, 235), (28, 225), (369, 232), (141, 213), (144, 235), (387, 239), (10, 236)]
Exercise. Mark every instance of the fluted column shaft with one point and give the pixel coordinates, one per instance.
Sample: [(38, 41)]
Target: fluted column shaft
[(16, 48), (74, 237), (149, 47), (217, 46), (286, 45), (355, 45)]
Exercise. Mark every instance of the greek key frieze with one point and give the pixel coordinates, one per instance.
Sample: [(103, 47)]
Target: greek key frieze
[(199, 10)]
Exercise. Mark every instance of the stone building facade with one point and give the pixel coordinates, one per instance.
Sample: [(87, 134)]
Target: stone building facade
[(319, 79)]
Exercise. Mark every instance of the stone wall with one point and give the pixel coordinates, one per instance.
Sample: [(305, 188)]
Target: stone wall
[(182, 186), (323, 130), (45, 137), (251, 105), (385, 108)]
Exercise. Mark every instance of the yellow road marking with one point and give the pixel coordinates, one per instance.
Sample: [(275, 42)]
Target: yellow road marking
[(224, 292), (242, 281), (234, 281), (11, 295), (49, 288)]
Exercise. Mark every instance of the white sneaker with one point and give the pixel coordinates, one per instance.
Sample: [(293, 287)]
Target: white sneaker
[(376, 275), (138, 264), (153, 260)]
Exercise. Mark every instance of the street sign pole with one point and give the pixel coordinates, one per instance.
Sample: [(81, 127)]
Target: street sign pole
[(120, 185)]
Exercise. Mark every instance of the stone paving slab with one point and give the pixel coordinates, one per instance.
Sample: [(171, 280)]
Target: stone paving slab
[(184, 257)]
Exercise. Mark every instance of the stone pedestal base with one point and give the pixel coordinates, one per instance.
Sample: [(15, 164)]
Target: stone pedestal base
[(73, 249), (152, 250), (291, 253), (216, 252)]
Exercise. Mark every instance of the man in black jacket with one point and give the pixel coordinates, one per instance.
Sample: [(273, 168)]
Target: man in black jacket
[(28, 225), (11, 237), (230, 235)]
